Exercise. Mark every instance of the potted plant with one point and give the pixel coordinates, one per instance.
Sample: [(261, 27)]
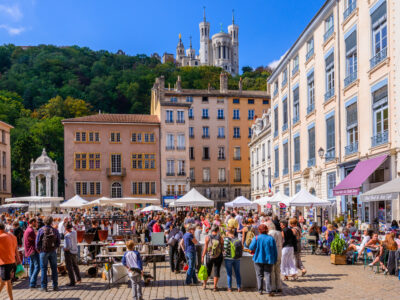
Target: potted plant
[(338, 248)]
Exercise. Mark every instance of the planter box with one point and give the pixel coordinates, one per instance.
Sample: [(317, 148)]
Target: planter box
[(338, 259)]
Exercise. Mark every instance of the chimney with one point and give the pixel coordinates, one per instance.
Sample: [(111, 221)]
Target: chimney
[(240, 84), (178, 85), (223, 82)]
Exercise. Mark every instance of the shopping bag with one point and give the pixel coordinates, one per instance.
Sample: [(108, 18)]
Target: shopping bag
[(202, 275), (20, 271)]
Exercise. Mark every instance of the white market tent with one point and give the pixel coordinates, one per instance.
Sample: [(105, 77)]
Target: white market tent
[(14, 205), (34, 199), (151, 208), (263, 201), (132, 200), (74, 202), (103, 201), (193, 199), (279, 198), (304, 198), (240, 202)]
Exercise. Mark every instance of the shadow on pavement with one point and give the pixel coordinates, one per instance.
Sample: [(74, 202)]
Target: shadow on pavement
[(305, 290)]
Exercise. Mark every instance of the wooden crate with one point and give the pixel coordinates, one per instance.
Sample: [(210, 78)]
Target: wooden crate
[(338, 259)]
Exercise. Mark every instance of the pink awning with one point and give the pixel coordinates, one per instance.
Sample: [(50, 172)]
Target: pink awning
[(352, 183)]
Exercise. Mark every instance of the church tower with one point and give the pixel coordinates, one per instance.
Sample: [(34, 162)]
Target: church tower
[(233, 31), (191, 53), (204, 41), (180, 50)]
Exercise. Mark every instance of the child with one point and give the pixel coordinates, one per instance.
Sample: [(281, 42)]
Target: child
[(133, 262)]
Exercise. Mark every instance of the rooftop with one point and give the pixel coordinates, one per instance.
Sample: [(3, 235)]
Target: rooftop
[(217, 93), (115, 118)]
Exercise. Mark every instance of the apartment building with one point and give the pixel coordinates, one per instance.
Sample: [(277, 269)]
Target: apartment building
[(216, 128), (334, 107), (5, 161), (261, 157), (112, 155)]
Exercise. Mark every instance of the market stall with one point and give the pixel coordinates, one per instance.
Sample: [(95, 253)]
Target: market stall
[(193, 199), (38, 203), (241, 202), (74, 202), (305, 199)]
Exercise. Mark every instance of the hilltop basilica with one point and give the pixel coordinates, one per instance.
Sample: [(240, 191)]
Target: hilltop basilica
[(222, 50)]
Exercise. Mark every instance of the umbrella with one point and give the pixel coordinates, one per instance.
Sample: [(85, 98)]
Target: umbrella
[(74, 202), (152, 208)]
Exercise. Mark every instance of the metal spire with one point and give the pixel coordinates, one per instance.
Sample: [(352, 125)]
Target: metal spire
[(190, 42), (233, 16), (204, 13), (222, 30)]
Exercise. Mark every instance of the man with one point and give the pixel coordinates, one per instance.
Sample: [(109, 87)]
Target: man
[(61, 227), (9, 256), (351, 228), (32, 253), (174, 237), (71, 251), (157, 226), (187, 244), (133, 262), (47, 242), (18, 232), (232, 223), (276, 282)]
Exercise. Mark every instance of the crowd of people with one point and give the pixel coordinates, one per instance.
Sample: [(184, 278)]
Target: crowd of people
[(196, 239)]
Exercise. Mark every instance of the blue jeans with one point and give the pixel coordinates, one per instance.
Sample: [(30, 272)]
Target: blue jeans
[(34, 268), (45, 258), (235, 264), (191, 274)]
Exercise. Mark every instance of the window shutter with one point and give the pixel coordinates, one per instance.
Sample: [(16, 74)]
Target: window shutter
[(351, 43), (379, 15)]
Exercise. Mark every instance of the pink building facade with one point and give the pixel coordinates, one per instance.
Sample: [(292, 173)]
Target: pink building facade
[(5, 161)]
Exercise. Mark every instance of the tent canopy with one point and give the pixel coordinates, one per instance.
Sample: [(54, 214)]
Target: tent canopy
[(240, 202), (304, 198), (34, 199), (263, 201), (279, 198), (387, 191), (152, 208), (103, 201), (193, 199), (131, 200), (74, 202), (14, 205)]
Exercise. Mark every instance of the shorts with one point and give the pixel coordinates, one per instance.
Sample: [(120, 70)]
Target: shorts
[(6, 271), (214, 262)]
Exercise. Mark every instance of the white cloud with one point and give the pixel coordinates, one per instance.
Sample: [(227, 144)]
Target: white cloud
[(12, 30), (13, 11), (275, 63)]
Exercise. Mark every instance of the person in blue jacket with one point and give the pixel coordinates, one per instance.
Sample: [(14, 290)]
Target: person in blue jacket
[(133, 262), (265, 256)]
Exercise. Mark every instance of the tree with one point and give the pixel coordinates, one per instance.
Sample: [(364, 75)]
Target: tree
[(68, 108), (11, 107), (247, 69)]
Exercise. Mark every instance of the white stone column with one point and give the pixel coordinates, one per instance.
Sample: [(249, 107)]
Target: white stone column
[(33, 185), (55, 186), (40, 185), (48, 186)]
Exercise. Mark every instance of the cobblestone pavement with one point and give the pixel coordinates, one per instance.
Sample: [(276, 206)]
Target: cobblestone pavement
[(322, 281)]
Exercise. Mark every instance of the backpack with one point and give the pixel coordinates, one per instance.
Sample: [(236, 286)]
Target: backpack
[(249, 236), (214, 246), (235, 248), (49, 241)]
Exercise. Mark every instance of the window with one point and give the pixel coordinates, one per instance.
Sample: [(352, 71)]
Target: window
[(138, 137), (297, 186), (190, 114), (328, 27), (4, 160), (171, 190), (221, 175), (206, 133), (143, 188), (85, 161), (170, 167), (352, 129), (350, 7), (250, 132), (191, 174), (330, 183), (205, 113), (310, 49), (3, 136), (250, 101), (236, 114), (206, 153), (238, 192), (380, 116), (170, 141), (4, 183), (169, 117), (181, 142), (351, 58), (311, 147), (143, 161), (221, 132), (115, 137), (276, 122), (330, 138), (257, 156), (94, 161), (285, 159), (263, 152), (265, 101), (329, 77), (235, 101), (295, 65), (181, 168), (116, 164), (180, 116), (191, 153), (296, 150), (269, 150), (284, 77), (116, 190), (220, 100), (236, 132), (251, 114), (189, 99), (286, 190), (204, 99), (88, 188), (221, 114), (276, 175), (276, 84), (221, 153), (296, 105), (379, 35), (310, 93), (206, 174), (285, 114), (238, 175), (236, 153)]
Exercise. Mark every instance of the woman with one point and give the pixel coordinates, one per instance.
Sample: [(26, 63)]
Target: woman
[(313, 231), (394, 225), (248, 232), (360, 248), (375, 243), (389, 244), (288, 263), (297, 233), (213, 248), (217, 221), (329, 234), (231, 262), (346, 235)]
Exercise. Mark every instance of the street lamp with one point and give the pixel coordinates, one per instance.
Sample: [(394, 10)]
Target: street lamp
[(321, 152)]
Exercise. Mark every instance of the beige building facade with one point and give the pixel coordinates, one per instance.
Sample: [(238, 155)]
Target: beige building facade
[(334, 105), (5, 161)]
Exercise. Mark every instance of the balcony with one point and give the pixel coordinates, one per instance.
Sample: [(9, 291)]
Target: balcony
[(350, 79), (284, 83), (236, 136), (191, 117), (329, 94), (349, 10), (328, 33), (310, 108), (206, 158), (221, 136), (276, 174), (206, 180), (191, 136), (330, 155), (237, 179), (285, 171), (221, 179), (182, 173), (116, 172), (379, 57), (296, 167), (275, 92), (170, 173), (311, 162), (205, 136), (350, 149), (295, 119), (309, 54), (275, 133), (205, 117), (380, 138), (169, 148), (284, 127), (180, 121), (221, 118), (295, 69), (221, 158), (237, 158), (169, 121), (181, 148)]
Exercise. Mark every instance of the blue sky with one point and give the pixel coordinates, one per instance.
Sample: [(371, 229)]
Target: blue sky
[(267, 28)]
